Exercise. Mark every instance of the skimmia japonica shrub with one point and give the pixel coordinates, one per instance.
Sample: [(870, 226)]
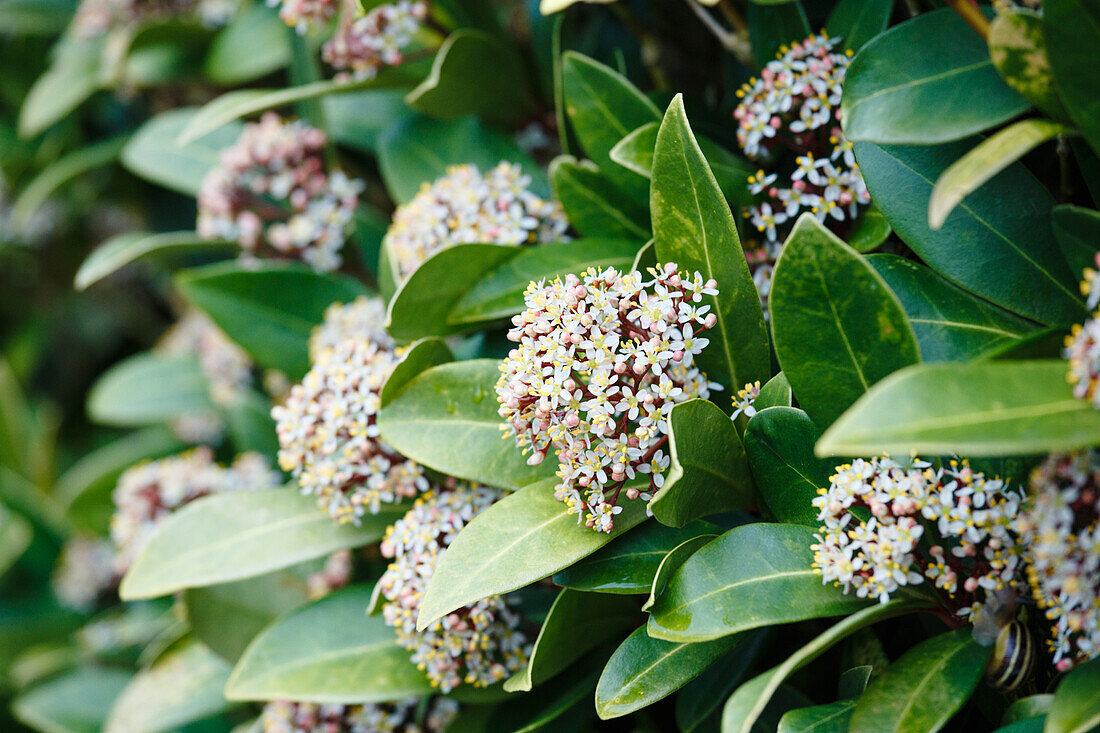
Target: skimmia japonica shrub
[(455, 365)]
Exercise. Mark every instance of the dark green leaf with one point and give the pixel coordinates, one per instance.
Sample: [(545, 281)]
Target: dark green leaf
[(1071, 29), (773, 26), (870, 230), (779, 442), (593, 205), (254, 44), (1019, 52), (251, 427), (76, 702), (917, 82), (858, 21), (1078, 233), (359, 119), (124, 249), (559, 700), (1027, 707), (154, 154), (1076, 704), (775, 393), (830, 718), (148, 388), (837, 327), (702, 696), (15, 537), (671, 562), (71, 78), (60, 172)]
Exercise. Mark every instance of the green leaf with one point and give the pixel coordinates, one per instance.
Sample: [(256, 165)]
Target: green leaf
[(124, 249), (418, 357), (1019, 52), (693, 227), (830, 718), (837, 327), (1071, 29), (870, 230), (15, 537), (603, 106), (635, 152), (577, 623), (261, 530), (60, 172), (987, 159), (418, 150), (950, 324), (474, 73), (923, 689), (358, 119), (1076, 705), (773, 26), (76, 702), (751, 699), (917, 82), (251, 427), (628, 564), (15, 420), (269, 309), (1027, 707), (779, 442), (709, 472), (559, 700), (1078, 233), (752, 576), (328, 652), (976, 409), (182, 686), (154, 154), (254, 44), (446, 419), (858, 21), (524, 537), (68, 82), (671, 562), (702, 696), (997, 244), (148, 388), (35, 17), (592, 204), (644, 670)]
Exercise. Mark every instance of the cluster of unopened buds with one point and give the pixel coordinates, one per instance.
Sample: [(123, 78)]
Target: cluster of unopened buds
[(149, 492), (479, 644), (364, 318), (601, 361), (465, 206), (794, 106), (85, 572), (1082, 347), (327, 428), (964, 519), (304, 14), (281, 716), (96, 17), (1061, 528), (364, 46), (271, 194)]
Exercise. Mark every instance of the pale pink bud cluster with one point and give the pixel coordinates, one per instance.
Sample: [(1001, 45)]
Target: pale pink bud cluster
[(97, 17), (601, 360), (363, 318), (304, 14), (281, 716), (366, 45), (271, 194)]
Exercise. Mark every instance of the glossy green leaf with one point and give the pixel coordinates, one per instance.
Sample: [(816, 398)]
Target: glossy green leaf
[(124, 249), (987, 159), (752, 576), (328, 652), (869, 231), (1078, 233), (418, 357), (997, 243), (446, 418), (359, 119), (15, 537), (976, 409), (670, 563), (419, 150), (561, 700), (261, 530), (916, 84), (950, 324), (68, 82), (829, 718), (709, 472), (474, 73), (181, 687), (628, 564), (577, 623), (593, 205), (76, 702), (251, 427), (524, 537), (773, 26), (858, 21), (922, 690), (148, 388), (644, 670), (35, 17), (1027, 707), (699, 699), (779, 442), (1076, 704), (836, 326), (57, 174), (154, 154), (776, 392), (693, 227), (1019, 52), (1071, 29), (270, 310), (254, 44), (751, 699)]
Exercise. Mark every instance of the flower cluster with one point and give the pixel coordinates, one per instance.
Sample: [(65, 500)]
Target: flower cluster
[(150, 491), (271, 194), (85, 572), (965, 517), (301, 14), (329, 439), (465, 206), (281, 716), (1082, 347), (363, 318), (97, 17), (794, 106), (1061, 528), (744, 402), (363, 47), (601, 361), (478, 644)]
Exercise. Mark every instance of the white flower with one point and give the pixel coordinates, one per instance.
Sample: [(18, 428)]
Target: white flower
[(404, 716), (364, 318), (361, 48)]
